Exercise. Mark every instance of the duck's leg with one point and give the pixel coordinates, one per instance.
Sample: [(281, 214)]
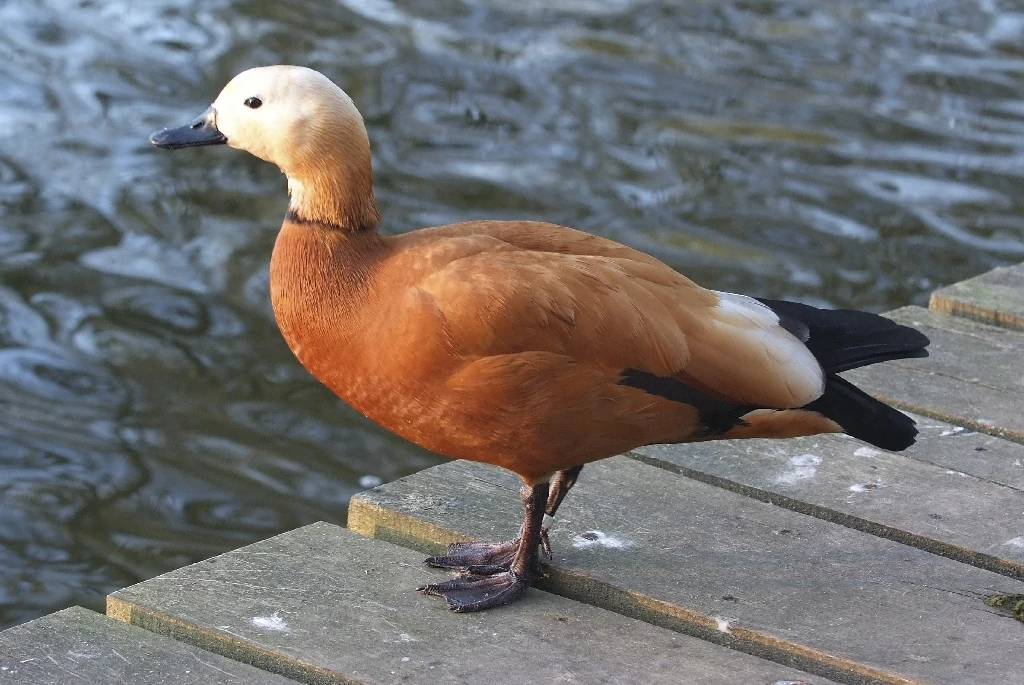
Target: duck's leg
[(476, 593), (488, 558)]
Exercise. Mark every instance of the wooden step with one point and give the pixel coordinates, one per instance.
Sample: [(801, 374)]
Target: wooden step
[(323, 605), (80, 647), (951, 493), (678, 553)]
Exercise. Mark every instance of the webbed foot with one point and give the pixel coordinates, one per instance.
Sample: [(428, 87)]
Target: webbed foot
[(495, 574), (479, 558), (473, 593)]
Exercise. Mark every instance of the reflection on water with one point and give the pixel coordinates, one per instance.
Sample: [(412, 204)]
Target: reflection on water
[(856, 155)]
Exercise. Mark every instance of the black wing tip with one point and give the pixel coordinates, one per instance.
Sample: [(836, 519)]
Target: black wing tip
[(717, 416), (919, 353), (862, 416), (896, 434)]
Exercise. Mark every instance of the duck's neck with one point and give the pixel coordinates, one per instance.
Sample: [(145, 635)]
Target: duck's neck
[(335, 193)]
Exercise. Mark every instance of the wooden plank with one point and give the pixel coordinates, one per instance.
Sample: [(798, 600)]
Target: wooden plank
[(919, 497), (324, 605), (974, 376), (685, 555), (80, 646), (996, 298), (959, 449)]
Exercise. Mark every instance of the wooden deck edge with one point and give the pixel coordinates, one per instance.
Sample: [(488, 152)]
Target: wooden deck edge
[(939, 547), (372, 520), (216, 642), (941, 302)]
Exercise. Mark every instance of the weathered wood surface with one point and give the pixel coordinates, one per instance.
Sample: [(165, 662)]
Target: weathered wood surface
[(995, 297), (323, 605), (903, 497), (678, 553), (78, 646), (974, 376)]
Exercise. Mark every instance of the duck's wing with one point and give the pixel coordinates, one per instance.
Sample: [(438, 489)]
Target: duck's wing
[(618, 310)]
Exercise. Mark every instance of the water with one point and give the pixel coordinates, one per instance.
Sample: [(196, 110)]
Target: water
[(848, 154)]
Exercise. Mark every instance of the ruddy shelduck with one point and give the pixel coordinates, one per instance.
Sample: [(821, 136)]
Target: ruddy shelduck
[(531, 346)]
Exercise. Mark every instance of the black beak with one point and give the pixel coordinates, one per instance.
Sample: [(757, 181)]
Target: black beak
[(202, 131)]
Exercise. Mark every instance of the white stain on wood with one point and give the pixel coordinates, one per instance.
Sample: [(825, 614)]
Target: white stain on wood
[(800, 468), (273, 622), (595, 538)]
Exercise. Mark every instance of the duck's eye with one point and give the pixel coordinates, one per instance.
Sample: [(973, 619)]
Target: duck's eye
[(252, 103)]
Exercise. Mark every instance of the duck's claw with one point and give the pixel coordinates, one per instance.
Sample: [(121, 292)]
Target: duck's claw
[(545, 544)]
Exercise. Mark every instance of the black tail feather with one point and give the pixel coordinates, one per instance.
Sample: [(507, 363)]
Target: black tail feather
[(844, 339)]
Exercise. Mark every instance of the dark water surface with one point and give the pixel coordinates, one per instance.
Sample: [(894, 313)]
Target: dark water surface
[(849, 154)]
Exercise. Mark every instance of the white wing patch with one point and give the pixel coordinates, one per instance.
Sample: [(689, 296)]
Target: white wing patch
[(746, 308), (788, 374)]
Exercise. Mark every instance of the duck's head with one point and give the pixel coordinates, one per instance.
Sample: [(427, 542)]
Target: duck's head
[(301, 121)]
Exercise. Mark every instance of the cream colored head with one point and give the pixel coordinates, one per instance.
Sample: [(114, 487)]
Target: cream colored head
[(299, 120), (283, 114)]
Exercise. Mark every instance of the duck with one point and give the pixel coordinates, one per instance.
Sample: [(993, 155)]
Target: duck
[(531, 346)]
